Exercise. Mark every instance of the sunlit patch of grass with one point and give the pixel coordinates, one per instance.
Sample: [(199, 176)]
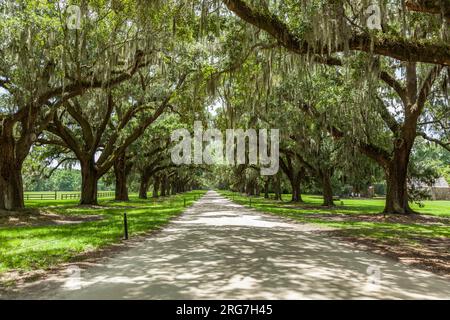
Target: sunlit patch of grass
[(312, 204), (305, 212), (39, 247)]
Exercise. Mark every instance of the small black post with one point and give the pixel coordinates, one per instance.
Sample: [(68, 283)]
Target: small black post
[(184, 202), (125, 226), (250, 201)]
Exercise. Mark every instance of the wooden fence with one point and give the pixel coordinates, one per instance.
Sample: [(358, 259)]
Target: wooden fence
[(40, 196), (63, 196)]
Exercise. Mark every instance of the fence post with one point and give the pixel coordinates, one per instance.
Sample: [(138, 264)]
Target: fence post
[(184, 202), (125, 226), (250, 201), (56, 195)]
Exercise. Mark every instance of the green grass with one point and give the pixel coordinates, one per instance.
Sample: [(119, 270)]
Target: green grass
[(27, 248), (378, 230)]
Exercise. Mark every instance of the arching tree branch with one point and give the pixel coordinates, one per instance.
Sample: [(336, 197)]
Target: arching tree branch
[(395, 47), (430, 6)]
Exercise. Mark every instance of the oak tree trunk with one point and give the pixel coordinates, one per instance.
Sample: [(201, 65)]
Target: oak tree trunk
[(250, 188), (277, 188), (396, 180), (167, 185), (162, 189), (143, 186), (121, 174), (163, 186), (156, 187), (266, 189), (89, 181), (13, 151), (296, 191), (296, 194), (11, 186), (257, 189), (327, 190)]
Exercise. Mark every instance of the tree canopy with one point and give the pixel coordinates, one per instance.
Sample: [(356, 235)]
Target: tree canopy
[(357, 89)]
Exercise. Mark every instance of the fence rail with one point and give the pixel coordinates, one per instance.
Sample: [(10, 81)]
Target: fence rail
[(40, 196), (63, 196), (106, 194)]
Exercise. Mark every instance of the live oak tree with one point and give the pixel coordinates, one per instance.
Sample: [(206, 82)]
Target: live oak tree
[(151, 173), (307, 150), (98, 130), (262, 94), (122, 169), (44, 63), (371, 122), (47, 58), (321, 29), (294, 173), (95, 93), (154, 153), (306, 147), (321, 32)]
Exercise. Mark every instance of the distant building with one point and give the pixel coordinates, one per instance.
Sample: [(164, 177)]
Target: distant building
[(440, 190)]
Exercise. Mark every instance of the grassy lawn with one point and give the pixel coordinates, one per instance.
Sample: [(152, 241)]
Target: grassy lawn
[(39, 247), (311, 211)]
